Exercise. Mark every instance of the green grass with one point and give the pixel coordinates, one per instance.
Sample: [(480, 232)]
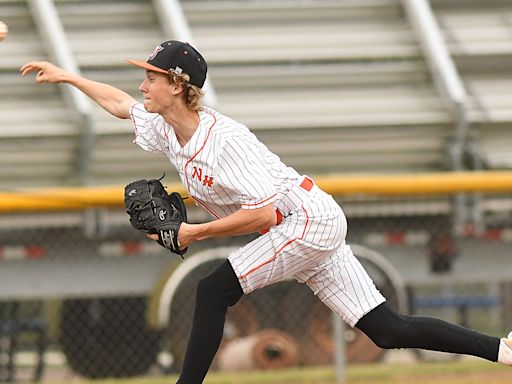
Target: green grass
[(466, 372)]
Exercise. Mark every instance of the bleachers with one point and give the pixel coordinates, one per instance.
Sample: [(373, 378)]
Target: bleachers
[(331, 86)]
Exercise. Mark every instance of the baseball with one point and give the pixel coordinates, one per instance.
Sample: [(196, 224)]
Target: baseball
[(3, 30)]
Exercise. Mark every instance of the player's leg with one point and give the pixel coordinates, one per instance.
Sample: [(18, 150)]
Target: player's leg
[(389, 329), (215, 293), (263, 261), (344, 286), (341, 283), (306, 235)]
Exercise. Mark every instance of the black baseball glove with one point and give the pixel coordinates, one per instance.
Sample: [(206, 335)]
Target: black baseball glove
[(154, 211)]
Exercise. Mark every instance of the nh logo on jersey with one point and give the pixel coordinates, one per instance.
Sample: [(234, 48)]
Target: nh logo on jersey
[(198, 174)]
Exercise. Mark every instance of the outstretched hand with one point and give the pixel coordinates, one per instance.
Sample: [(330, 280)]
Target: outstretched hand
[(113, 100), (46, 72)]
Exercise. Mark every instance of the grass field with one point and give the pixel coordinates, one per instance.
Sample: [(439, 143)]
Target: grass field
[(465, 372)]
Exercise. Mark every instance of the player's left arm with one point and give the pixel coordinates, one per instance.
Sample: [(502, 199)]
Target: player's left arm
[(253, 185), (242, 222), (240, 168)]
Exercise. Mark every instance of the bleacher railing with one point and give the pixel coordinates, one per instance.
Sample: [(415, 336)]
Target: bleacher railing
[(451, 87)]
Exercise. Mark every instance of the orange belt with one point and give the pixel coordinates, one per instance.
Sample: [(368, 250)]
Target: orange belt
[(306, 184)]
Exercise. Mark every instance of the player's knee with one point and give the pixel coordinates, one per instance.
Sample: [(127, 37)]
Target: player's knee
[(219, 289), (208, 291), (395, 335), (385, 340), (386, 328)]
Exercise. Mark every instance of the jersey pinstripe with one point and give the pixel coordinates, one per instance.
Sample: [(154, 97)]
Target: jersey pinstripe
[(224, 168)]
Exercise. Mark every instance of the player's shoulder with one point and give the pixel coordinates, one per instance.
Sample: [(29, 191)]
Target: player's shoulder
[(225, 127)]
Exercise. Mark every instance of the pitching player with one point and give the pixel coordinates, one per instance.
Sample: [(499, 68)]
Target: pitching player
[(247, 189)]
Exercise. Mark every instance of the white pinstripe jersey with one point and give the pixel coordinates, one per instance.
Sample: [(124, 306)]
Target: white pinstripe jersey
[(224, 167)]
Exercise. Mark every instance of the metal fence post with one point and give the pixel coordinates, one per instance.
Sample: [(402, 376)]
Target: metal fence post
[(339, 354)]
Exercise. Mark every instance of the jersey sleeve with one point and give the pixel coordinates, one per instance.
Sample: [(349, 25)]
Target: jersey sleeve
[(146, 135), (240, 169)]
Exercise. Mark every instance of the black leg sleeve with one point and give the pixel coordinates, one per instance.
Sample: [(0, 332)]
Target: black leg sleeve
[(388, 329), (215, 292)]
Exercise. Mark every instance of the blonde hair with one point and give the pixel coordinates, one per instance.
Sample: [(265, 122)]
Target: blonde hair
[(191, 93)]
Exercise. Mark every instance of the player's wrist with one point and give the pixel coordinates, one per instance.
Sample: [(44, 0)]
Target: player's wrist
[(198, 231), (68, 78)]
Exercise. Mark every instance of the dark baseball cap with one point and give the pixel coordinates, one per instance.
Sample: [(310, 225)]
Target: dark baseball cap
[(176, 56)]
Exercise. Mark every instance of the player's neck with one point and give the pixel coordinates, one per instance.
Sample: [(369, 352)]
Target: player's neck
[(184, 122)]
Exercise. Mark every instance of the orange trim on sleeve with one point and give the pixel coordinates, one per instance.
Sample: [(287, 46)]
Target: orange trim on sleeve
[(279, 217), (279, 220), (261, 202)]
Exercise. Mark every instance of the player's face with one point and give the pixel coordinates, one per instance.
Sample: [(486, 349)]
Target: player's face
[(157, 91)]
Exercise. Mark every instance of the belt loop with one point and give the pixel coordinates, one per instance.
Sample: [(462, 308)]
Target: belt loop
[(307, 184)]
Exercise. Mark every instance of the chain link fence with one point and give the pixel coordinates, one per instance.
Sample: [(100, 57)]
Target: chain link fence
[(82, 293)]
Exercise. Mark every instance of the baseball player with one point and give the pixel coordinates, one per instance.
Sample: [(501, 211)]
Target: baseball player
[(247, 189)]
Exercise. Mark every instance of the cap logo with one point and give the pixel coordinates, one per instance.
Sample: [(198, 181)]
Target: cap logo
[(178, 70), (155, 52)]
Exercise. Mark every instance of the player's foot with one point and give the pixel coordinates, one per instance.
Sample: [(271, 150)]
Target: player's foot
[(505, 350)]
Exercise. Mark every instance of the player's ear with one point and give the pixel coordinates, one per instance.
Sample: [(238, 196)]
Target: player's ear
[(176, 89)]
